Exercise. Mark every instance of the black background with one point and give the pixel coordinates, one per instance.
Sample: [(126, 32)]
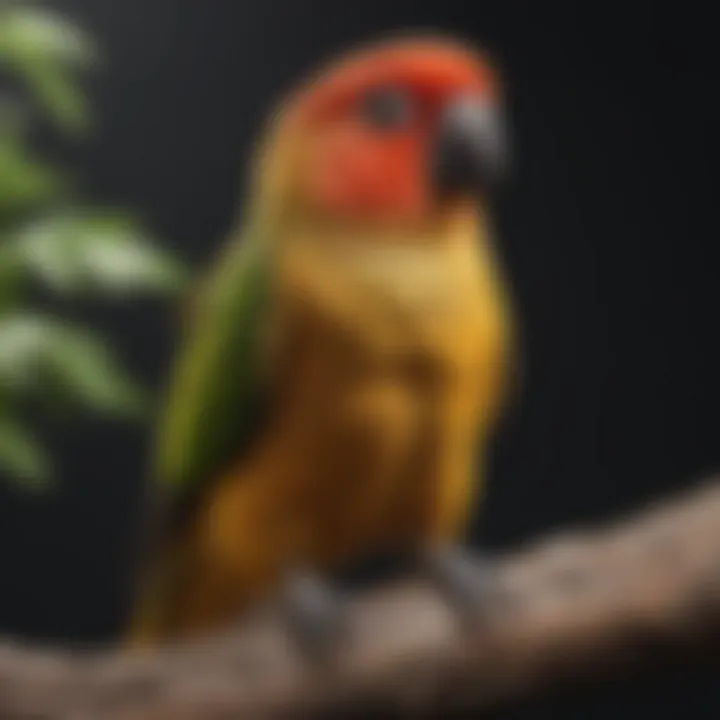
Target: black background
[(606, 235)]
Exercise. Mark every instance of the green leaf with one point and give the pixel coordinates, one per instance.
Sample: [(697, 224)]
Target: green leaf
[(105, 254), (24, 181), (85, 371), (60, 94), (46, 250), (45, 356), (22, 458), (24, 339), (120, 258), (33, 31), (47, 51)]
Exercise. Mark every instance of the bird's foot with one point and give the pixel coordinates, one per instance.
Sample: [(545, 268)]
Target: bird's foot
[(315, 616), (468, 582)]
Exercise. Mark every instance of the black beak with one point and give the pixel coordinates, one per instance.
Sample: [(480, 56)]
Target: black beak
[(470, 155)]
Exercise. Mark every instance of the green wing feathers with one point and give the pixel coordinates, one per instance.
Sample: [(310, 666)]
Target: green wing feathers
[(218, 376)]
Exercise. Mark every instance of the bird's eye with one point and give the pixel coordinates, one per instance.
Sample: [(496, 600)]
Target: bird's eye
[(387, 108)]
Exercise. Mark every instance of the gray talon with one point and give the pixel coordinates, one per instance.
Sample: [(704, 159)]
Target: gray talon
[(315, 616), (469, 583)]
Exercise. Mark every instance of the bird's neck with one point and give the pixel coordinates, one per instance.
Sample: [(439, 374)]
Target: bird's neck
[(417, 269)]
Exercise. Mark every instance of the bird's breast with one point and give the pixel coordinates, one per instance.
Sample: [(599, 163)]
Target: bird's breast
[(391, 348), (419, 280)]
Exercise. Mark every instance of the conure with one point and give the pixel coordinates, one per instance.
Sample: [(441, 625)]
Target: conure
[(346, 359)]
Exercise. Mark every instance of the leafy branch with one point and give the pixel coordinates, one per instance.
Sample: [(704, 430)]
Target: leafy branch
[(49, 239)]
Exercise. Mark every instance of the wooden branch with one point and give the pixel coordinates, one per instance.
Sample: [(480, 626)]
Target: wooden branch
[(585, 605)]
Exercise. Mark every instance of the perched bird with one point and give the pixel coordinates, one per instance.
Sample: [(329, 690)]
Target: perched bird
[(347, 356)]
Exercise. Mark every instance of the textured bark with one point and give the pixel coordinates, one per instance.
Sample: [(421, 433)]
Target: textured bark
[(582, 606)]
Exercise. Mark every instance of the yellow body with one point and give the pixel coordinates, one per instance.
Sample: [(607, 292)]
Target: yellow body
[(390, 364)]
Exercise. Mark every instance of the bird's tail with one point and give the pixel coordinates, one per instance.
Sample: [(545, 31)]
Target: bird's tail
[(151, 614)]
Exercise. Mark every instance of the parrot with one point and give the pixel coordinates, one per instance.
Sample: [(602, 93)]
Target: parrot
[(345, 363)]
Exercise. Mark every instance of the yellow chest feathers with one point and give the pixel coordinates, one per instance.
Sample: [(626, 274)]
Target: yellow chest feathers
[(436, 298), (416, 277), (418, 280)]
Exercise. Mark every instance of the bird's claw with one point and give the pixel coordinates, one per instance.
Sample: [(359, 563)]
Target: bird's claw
[(315, 617), (468, 582)]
